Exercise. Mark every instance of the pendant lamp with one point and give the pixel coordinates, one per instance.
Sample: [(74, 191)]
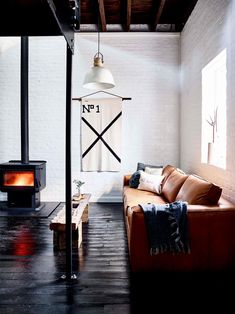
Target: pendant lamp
[(99, 76)]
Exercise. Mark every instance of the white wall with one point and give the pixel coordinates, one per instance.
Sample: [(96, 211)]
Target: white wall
[(145, 67), (47, 108), (209, 30)]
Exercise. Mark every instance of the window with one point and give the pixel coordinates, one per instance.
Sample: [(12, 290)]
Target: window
[(214, 121)]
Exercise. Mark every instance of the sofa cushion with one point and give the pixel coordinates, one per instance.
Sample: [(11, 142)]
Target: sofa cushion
[(155, 171), (134, 180), (173, 184), (134, 197), (198, 191), (166, 171), (150, 182)]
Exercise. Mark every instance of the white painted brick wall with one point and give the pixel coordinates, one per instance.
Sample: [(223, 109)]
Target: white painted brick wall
[(47, 109), (209, 30), (145, 67)]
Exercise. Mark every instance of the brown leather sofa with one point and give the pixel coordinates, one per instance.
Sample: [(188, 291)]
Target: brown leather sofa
[(211, 223)]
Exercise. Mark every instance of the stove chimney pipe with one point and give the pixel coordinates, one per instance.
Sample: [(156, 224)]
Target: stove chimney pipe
[(24, 100)]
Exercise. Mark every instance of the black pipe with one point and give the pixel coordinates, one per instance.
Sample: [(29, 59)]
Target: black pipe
[(24, 99), (68, 176)]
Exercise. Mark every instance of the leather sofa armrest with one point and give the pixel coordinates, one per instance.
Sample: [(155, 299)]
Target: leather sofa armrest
[(134, 209), (126, 179)]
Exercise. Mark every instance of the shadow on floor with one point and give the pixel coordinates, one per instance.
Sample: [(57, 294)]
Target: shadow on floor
[(193, 293)]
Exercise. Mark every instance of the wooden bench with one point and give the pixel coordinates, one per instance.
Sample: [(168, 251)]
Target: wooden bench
[(80, 212)]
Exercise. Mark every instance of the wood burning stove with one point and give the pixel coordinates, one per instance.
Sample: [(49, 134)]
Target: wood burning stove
[(23, 182)]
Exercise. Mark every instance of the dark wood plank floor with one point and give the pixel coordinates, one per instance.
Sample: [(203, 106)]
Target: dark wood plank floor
[(30, 270)]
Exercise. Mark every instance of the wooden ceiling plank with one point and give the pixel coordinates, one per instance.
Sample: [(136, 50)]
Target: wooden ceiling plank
[(102, 15), (128, 15), (159, 14)]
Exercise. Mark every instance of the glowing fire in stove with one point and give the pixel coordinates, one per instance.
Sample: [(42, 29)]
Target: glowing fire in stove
[(19, 178)]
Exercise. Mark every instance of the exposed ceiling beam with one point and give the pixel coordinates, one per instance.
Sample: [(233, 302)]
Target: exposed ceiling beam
[(62, 15), (128, 15), (75, 5), (102, 15), (159, 14)]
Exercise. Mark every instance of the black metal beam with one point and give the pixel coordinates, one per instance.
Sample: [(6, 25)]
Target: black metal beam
[(64, 16), (77, 16), (68, 175), (24, 86)]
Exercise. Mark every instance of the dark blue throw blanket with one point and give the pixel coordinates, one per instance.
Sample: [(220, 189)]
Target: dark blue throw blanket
[(167, 227)]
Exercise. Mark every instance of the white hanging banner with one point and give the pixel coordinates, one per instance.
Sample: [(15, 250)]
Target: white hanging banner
[(101, 130)]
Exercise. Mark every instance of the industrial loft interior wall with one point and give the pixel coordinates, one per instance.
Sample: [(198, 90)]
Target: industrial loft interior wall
[(145, 67), (209, 30)]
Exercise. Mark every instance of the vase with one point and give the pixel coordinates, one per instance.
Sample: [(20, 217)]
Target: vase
[(78, 193), (210, 156)]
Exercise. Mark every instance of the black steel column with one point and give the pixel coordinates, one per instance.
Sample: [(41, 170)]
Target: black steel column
[(24, 99), (68, 178)]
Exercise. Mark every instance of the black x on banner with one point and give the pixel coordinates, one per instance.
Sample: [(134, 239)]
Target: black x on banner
[(99, 136)]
